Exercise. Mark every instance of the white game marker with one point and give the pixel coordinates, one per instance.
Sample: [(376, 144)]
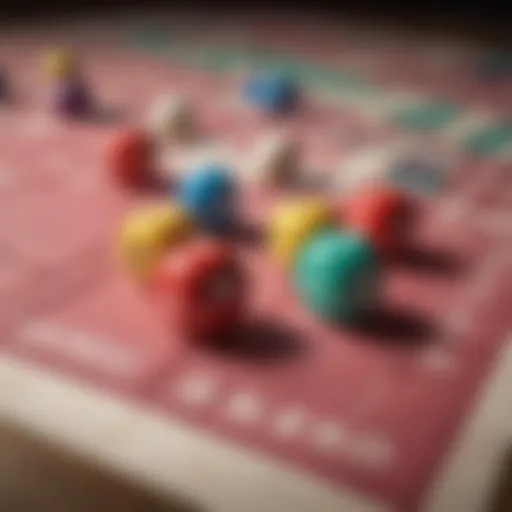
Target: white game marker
[(275, 160), (171, 120)]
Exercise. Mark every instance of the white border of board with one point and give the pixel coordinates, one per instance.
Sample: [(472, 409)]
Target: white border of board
[(170, 457), (165, 456)]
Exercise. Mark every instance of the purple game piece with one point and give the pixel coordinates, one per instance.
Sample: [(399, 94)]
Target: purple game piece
[(3, 84), (72, 98)]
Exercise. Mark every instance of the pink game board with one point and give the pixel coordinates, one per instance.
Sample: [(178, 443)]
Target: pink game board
[(374, 411)]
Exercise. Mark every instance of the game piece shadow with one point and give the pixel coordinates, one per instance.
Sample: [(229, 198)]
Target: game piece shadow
[(10, 100), (263, 341), (430, 261), (158, 184), (307, 181), (398, 327), (100, 114), (312, 182), (247, 233)]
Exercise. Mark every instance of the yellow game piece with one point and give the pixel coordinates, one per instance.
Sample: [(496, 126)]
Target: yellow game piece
[(60, 63), (293, 223), (149, 232)]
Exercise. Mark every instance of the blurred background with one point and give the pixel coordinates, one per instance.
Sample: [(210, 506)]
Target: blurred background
[(488, 18), (480, 19)]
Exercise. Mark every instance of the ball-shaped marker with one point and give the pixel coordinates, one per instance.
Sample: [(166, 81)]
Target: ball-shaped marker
[(382, 214), (276, 160), (72, 98), (209, 194), (337, 275), (272, 91), (130, 158), (293, 222), (203, 287), (61, 64), (171, 120), (148, 233)]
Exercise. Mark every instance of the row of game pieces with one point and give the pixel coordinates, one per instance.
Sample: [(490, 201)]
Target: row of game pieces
[(332, 253), (179, 249), (274, 92), (144, 156), (183, 249), (172, 123)]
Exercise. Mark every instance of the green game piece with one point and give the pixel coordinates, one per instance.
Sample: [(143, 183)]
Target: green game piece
[(337, 275), (429, 117), (491, 141)]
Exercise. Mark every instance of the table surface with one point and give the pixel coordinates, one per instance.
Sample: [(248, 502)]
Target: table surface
[(37, 477)]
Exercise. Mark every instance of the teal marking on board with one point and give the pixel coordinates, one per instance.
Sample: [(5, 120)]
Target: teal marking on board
[(224, 58), (495, 66), (154, 38), (491, 141), (412, 175), (427, 117)]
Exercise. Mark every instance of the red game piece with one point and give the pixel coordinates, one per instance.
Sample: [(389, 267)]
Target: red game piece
[(382, 214), (204, 287), (130, 158)]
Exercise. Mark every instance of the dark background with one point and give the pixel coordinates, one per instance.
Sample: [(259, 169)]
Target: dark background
[(477, 17)]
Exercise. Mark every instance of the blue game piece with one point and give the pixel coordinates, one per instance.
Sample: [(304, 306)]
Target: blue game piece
[(337, 275), (272, 91), (209, 193)]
